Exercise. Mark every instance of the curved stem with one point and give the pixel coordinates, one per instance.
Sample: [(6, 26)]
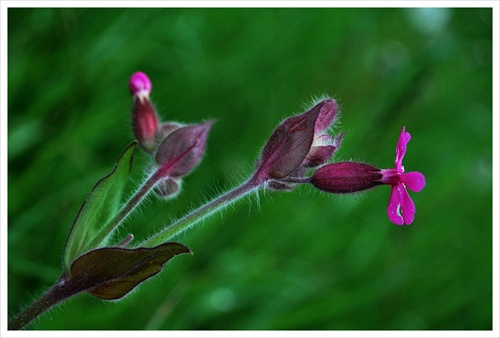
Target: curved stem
[(52, 297), (63, 290), (199, 214)]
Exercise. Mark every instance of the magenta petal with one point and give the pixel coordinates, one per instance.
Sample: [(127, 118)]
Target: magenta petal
[(407, 207), (393, 209), (139, 82), (414, 180), (403, 140)]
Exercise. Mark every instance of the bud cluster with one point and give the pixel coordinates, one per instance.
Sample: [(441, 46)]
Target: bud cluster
[(302, 142), (298, 147), (176, 148), (297, 144)]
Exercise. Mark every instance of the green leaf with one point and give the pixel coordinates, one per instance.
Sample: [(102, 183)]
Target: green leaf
[(99, 208), (111, 273)]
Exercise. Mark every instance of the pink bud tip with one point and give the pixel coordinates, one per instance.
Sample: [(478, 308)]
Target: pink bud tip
[(139, 82)]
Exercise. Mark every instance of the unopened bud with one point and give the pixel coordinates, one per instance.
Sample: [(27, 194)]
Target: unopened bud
[(326, 116), (322, 150), (346, 177), (182, 149), (144, 117), (166, 129), (139, 84), (289, 144)]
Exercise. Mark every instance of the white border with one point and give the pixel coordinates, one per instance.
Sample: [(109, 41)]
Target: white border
[(257, 3), (4, 5), (496, 168), (3, 169)]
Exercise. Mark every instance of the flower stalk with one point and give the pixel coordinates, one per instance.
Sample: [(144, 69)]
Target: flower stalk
[(298, 146), (196, 216), (126, 210), (49, 299), (64, 288)]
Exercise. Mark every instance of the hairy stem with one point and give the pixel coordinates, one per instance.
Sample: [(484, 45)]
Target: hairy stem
[(295, 180), (52, 297), (124, 212), (63, 289), (199, 214)]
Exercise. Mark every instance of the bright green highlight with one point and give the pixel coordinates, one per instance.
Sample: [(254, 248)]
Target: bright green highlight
[(98, 209)]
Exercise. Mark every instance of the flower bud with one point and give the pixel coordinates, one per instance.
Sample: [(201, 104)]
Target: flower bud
[(182, 149), (144, 117), (322, 150), (167, 128), (346, 177), (139, 84), (327, 113), (145, 123), (292, 141), (323, 146)]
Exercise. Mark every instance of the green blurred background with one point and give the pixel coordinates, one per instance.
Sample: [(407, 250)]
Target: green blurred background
[(300, 260)]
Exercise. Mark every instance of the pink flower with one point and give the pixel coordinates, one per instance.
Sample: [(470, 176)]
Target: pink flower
[(145, 121), (349, 177), (139, 84), (401, 208)]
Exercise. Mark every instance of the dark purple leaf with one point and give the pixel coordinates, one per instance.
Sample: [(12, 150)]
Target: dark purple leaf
[(111, 273)]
